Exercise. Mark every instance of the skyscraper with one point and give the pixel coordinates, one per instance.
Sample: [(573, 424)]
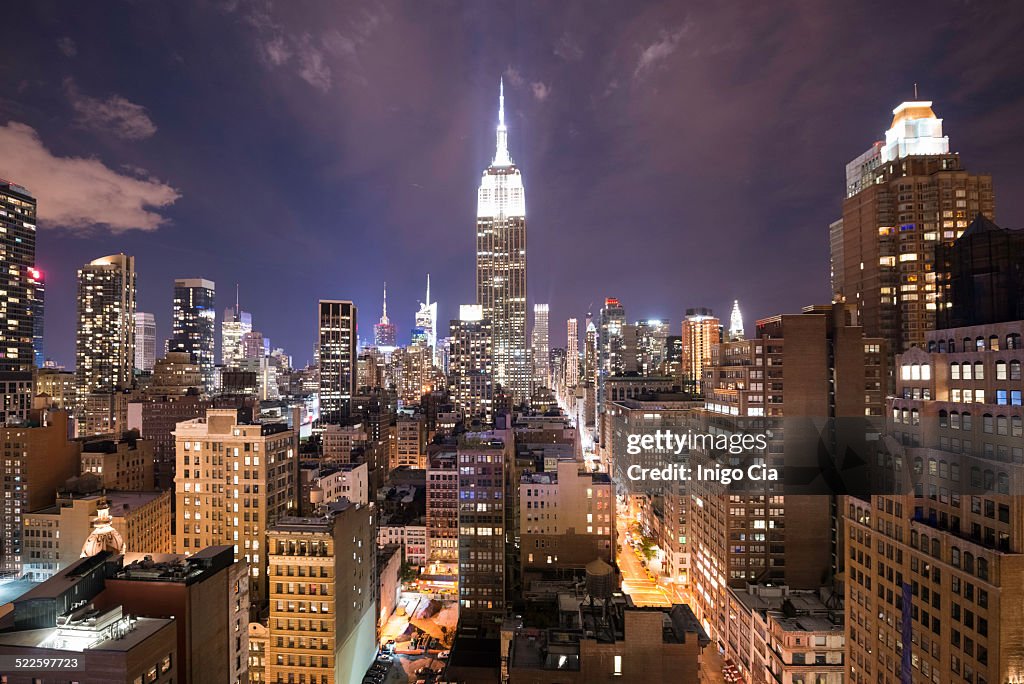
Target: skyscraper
[(38, 284), (735, 322), (501, 262), (701, 331), (572, 355), (426, 318), (337, 345), (145, 341), (609, 345), (194, 324), (384, 331), (904, 196), (105, 344), (18, 249), (233, 328), (539, 348), (470, 363)]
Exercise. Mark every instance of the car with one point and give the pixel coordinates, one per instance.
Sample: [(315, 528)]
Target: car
[(385, 658), (372, 679), (389, 646), (426, 671), (380, 667), (444, 655)]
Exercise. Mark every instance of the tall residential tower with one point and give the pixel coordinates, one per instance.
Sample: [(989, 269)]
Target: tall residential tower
[(18, 248), (904, 196), (105, 346)]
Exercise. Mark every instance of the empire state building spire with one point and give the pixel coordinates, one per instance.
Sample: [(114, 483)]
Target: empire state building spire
[(501, 157)]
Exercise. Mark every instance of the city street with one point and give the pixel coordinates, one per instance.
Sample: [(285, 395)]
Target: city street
[(635, 581)]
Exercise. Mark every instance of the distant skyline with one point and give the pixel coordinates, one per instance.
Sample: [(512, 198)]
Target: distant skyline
[(674, 156)]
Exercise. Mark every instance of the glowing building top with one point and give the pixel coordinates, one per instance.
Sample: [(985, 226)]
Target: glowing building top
[(384, 331), (501, 188), (736, 322), (915, 130)]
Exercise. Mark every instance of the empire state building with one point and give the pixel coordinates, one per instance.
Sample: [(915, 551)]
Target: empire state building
[(501, 263)]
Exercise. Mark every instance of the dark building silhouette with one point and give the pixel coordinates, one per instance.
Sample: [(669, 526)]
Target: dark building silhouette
[(981, 276)]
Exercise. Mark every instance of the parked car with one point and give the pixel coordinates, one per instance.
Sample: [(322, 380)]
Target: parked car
[(444, 655), (426, 671)]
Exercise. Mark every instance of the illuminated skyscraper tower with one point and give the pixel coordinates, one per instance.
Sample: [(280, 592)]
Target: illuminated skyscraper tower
[(904, 196), (194, 325), (501, 262), (572, 355), (105, 344), (19, 289), (735, 322), (426, 318), (541, 360), (384, 331)]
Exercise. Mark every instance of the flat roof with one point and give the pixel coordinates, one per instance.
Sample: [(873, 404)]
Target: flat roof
[(44, 638)]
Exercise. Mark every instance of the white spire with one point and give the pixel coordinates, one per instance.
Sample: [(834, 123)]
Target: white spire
[(735, 322), (384, 318), (428, 290), (501, 157)]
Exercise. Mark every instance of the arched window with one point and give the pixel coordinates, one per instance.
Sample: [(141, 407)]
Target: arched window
[(943, 470), (968, 345), (1000, 370), (918, 465), (933, 466), (987, 424), (990, 480), (952, 346), (942, 346), (979, 344), (975, 476), (979, 371), (1002, 426), (954, 420), (965, 420), (924, 543), (1013, 341), (1015, 370), (954, 371), (943, 418), (931, 345), (954, 472), (1016, 426), (993, 342), (982, 569), (954, 557), (915, 417), (969, 562), (936, 548), (965, 371), (1002, 483)]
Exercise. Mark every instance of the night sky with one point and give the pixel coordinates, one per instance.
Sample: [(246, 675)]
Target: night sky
[(674, 154)]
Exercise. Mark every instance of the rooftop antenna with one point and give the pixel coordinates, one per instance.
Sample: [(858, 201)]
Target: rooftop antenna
[(237, 312), (915, 91)]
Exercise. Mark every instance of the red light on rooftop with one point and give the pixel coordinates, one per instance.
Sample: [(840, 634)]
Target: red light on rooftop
[(611, 301), (35, 273)]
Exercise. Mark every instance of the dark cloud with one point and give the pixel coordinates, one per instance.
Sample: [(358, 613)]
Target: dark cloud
[(115, 115)]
